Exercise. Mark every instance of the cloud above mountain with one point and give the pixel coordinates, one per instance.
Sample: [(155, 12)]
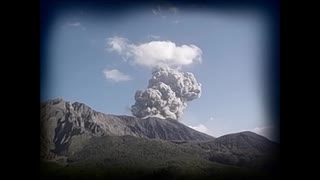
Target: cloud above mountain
[(169, 89), (155, 53)]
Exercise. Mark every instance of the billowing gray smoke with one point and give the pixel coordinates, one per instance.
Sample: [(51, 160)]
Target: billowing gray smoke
[(167, 95)]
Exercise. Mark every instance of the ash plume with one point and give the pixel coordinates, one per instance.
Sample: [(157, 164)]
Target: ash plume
[(167, 94)]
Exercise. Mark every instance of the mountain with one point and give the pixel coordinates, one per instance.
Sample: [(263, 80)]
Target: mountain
[(245, 149), (78, 141), (61, 121)]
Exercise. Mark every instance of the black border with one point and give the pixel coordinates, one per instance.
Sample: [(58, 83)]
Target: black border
[(49, 9), (22, 24)]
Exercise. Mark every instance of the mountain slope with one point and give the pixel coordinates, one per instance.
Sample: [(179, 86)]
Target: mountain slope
[(86, 141), (128, 156), (61, 121), (156, 151), (245, 149)]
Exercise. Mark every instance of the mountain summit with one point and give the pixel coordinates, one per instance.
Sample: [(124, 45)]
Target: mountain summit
[(61, 120)]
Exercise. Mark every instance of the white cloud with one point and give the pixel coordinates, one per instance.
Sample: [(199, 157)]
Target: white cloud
[(156, 52), (200, 128), (116, 75), (118, 44), (211, 119)]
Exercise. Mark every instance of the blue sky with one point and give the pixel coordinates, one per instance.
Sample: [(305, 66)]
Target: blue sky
[(233, 51)]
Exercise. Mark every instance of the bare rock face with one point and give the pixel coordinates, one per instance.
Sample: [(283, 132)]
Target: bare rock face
[(63, 124)]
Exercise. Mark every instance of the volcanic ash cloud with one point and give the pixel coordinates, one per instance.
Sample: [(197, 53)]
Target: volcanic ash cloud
[(167, 94)]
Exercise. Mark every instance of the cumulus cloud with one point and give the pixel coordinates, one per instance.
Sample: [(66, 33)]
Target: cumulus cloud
[(200, 128), (116, 75), (155, 53), (169, 89), (167, 94)]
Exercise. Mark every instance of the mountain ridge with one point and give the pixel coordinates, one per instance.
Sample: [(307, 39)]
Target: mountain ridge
[(60, 120), (78, 137)]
